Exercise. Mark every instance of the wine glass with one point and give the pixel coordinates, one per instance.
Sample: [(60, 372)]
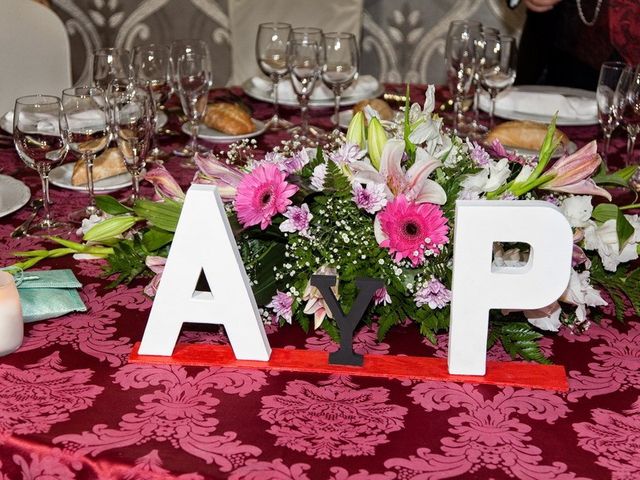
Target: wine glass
[(108, 64), (40, 137), (87, 114), (133, 123), (627, 102), (499, 69), (303, 63), (194, 81), (152, 67), (340, 62), (460, 60), (271, 53), (610, 73), (477, 129)]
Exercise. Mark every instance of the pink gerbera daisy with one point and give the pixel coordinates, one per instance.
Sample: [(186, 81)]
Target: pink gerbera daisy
[(412, 230), (262, 194)]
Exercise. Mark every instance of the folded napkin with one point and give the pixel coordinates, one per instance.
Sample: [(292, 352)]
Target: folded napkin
[(364, 85), (546, 104), (52, 294)]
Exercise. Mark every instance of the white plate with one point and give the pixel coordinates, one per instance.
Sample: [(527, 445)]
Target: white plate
[(216, 136), (13, 195), (265, 96), (344, 117), (61, 177), (485, 105), (6, 121)]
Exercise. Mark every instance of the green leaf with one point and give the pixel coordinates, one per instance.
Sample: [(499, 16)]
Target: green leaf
[(329, 327), (604, 212), (110, 205), (163, 215), (519, 339), (156, 238), (624, 229), (127, 260), (620, 285), (619, 177)]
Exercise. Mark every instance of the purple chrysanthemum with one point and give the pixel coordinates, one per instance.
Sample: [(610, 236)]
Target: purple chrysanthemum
[(318, 177), (298, 219), (371, 199), (281, 304), (381, 297), (479, 155), (347, 153), (434, 294)]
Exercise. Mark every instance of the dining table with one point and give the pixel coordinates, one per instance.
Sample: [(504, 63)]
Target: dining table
[(72, 405)]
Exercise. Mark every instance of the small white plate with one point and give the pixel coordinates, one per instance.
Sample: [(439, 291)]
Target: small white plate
[(6, 121), (344, 117), (216, 136), (485, 105), (61, 177), (13, 195)]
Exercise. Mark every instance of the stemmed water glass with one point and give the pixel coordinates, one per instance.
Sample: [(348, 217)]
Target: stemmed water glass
[(627, 102), (194, 80), (133, 123), (460, 59), (87, 115), (476, 129), (303, 64), (40, 137), (271, 53), (607, 82), (499, 69), (340, 63), (152, 67), (108, 64)]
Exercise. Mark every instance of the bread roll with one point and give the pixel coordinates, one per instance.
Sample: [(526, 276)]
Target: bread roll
[(229, 118), (523, 134), (109, 164), (380, 106)]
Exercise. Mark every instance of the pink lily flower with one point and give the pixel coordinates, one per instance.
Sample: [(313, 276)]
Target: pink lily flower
[(215, 172), (414, 183), (164, 184), (156, 265), (572, 172)]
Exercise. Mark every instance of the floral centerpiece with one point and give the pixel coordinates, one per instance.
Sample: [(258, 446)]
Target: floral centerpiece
[(381, 204)]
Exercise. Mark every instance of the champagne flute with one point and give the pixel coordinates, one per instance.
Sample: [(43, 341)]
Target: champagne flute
[(87, 114), (271, 53), (627, 101), (40, 137), (610, 73), (133, 123), (152, 67), (194, 80), (499, 69), (340, 62), (460, 59), (303, 63), (108, 64)]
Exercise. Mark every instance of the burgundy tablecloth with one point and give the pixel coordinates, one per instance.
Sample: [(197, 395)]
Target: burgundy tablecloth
[(72, 407)]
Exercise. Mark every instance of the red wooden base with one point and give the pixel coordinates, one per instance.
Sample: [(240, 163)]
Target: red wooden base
[(517, 374)]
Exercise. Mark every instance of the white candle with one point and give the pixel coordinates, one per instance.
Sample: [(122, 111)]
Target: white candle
[(11, 324)]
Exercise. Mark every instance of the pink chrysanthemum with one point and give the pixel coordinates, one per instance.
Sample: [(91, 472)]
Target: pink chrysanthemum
[(411, 230), (262, 194), (434, 294), (281, 303)]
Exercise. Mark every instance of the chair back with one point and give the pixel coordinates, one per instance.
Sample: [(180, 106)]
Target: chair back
[(246, 15), (34, 52)]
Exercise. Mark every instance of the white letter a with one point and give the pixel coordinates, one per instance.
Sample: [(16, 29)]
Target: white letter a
[(204, 242)]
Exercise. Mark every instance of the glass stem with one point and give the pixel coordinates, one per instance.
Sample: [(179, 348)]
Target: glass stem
[(476, 101), (304, 115), (44, 178), (89, 165), (193, 141), (605, 153), (276, 105), (136, 187), (631, 143), (457, 108), (336, 111), (493, 108)]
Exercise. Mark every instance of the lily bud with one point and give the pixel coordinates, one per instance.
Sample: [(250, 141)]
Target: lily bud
[(376, 141), (356, 132)]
